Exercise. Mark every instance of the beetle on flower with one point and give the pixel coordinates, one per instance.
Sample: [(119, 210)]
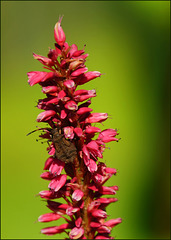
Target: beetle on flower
[(66, 110)]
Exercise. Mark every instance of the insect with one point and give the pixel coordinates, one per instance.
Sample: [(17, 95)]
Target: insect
[(65, 150)]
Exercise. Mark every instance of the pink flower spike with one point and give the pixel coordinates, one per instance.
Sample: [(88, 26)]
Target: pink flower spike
[(45, 116), (37, 77), (68, 132), (96, 117), (71, 105), (48, 217), (58, 182), (59, 33), (78, 131), (76, 233), (77, 195), (79, 72), (84, 110), (43, 60), (75, 171)]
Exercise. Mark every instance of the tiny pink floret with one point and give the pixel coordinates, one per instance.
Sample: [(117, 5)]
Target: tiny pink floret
[(58, 182), (46, 115), (96, 117), (77, 195), (71, 105), (76, 233), (37, 77), (48, 217), (69, 132)]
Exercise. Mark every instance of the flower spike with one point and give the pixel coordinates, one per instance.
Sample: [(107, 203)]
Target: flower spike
[(75, 146)]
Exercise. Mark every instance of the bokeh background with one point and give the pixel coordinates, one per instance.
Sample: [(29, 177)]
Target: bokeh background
[(128, 41)]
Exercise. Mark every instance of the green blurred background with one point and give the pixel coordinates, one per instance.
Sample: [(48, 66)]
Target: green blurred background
[(128, 41)]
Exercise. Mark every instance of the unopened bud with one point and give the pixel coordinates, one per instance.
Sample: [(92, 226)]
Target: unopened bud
[(59, 33)]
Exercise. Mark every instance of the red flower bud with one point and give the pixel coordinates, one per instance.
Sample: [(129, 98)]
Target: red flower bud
[(78, 131), (79, 72), (46, 115), (43, 60), (57, 182), (48, 217), (89, 76), (50, 89), (96, 117), (37, 77), (56, 167), (71, 105), (77, 195), (59, 33), (55, 229), (91, 129), (84, 110), (69, 83), (48, 163), (99, 213), (76, 233)]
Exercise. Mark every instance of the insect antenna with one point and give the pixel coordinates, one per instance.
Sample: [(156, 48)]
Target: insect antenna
[(38, 130)]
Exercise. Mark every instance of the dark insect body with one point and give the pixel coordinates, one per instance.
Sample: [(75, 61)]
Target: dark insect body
[(65, 150)]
